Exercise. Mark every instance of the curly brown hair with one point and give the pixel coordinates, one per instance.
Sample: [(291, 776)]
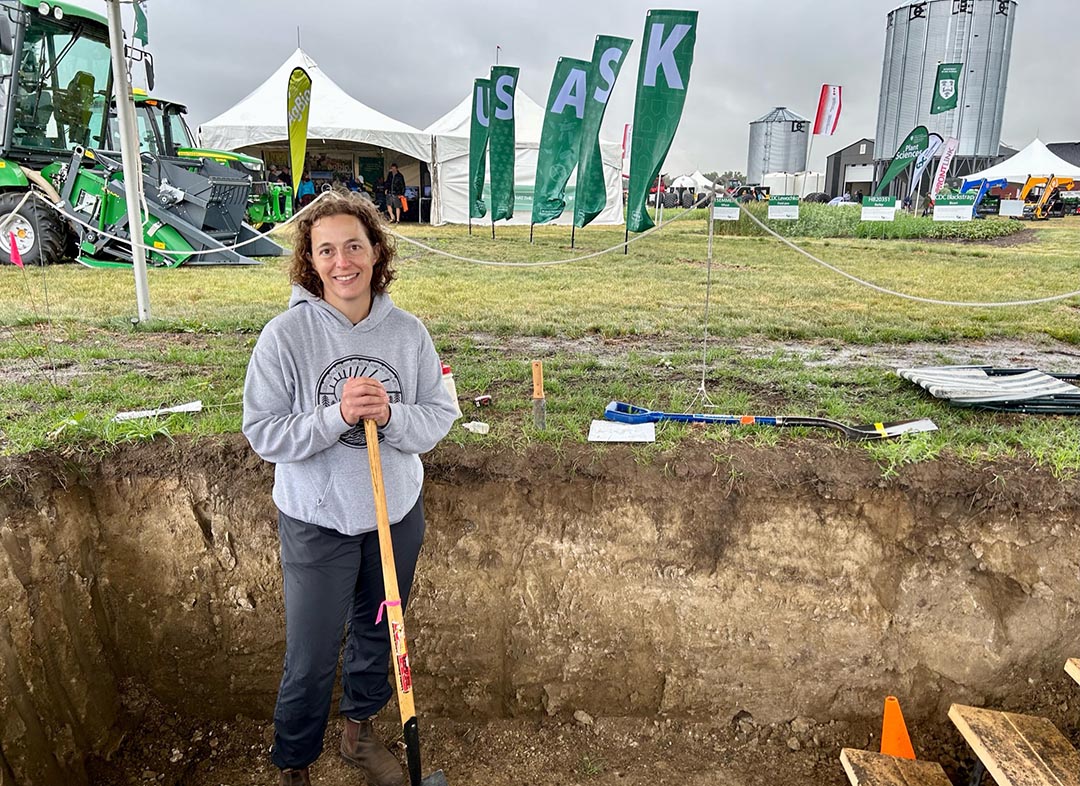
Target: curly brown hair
[(338, 203)]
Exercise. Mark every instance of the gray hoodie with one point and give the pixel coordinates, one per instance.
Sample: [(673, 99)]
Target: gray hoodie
[(292, 416)]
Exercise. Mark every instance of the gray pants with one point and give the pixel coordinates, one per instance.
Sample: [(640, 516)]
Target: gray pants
[(332, 579)]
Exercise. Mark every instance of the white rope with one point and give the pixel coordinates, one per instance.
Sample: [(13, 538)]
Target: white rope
[(491, 263), (568, 260), (59, 207), (894, 293)]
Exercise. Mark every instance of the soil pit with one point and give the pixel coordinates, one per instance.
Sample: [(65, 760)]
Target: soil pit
[(578, 618)]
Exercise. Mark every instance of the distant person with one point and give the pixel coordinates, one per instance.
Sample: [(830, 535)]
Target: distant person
[(847, 196), (395, 190), (305, 194), (907, 203), (858, 196)]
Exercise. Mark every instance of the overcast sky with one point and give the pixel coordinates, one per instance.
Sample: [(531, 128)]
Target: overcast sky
[(416, 59)]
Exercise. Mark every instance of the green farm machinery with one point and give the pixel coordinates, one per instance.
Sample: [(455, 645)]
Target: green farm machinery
[(57, 140)]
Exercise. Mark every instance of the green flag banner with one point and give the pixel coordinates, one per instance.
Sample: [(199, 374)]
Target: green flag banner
[(560, 138), (910, 149), (667, 52), (478, 142), (609, 53), (946, 88), (298, 104), (503, 86), (140, 23)]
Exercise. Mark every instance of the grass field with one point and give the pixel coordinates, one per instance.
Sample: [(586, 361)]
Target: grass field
[(614, 327)]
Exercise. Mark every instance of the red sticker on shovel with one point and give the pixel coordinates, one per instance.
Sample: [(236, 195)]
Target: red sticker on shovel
[(403, 671)]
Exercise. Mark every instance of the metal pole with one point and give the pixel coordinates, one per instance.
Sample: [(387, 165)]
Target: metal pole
[(531, 225), (573, 228), (129, 155)]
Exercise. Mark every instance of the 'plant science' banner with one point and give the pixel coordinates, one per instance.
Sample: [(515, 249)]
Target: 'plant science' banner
[(667, 52), (478, 143), (503, 87), (910, 149), (609, 53), (298, 104), (560, 138)]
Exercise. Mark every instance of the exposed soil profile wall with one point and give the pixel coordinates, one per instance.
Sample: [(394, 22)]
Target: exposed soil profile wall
[(782, 581)]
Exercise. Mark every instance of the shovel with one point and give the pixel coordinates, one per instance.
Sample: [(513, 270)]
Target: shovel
[(628, 413), (399, 651)]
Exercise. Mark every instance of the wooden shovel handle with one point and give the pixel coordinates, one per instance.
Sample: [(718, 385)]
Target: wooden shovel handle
[(399, 650)]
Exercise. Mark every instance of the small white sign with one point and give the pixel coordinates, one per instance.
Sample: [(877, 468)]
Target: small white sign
[(878, 209), (954, 207), (784, 207), (610, 431), (1012, 208), (725, 210)]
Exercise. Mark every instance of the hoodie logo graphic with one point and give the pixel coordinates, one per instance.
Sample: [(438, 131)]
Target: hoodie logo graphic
[(332, 381)]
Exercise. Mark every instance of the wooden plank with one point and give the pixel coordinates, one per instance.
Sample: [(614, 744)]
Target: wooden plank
[(1018, 750), (1072, 668), (866, 768)]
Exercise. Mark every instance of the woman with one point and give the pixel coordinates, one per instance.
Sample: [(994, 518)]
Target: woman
[(340, 354)]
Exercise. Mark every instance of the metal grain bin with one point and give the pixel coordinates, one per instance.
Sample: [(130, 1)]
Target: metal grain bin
[(777, 144), (919, 36)]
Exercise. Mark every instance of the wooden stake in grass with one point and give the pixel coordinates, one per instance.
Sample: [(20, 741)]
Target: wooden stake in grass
[(539, 402)]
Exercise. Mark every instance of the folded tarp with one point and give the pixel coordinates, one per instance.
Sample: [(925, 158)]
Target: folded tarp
[(1000, 389)]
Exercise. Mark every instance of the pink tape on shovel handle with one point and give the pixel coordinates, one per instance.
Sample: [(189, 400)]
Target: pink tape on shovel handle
[(382, 606)]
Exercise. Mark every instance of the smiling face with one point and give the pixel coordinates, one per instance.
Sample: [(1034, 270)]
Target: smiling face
[(343, 256)]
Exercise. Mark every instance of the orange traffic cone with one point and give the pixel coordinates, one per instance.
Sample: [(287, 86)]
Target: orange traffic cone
[(894, 736)]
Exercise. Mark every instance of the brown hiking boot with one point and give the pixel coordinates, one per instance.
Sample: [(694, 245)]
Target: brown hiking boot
[(361, 747), (295, 777)]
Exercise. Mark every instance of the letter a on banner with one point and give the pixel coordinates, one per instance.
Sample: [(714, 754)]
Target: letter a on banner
[(502, 145), (590, 195), (479, 129), (667, 52), (298, 107), (560, 138)]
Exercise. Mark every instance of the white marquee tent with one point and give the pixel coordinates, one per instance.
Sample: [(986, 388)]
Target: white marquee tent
[(1035, 160), (259, 118), (450, 175)]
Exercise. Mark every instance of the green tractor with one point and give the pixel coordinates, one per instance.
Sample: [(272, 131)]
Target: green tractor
[(163, 131), (55, 82)]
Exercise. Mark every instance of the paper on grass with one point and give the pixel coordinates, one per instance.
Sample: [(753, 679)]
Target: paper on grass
[(191, 406), (610, 431)]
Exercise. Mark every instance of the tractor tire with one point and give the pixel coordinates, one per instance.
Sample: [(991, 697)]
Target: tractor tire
[(671, 200), (687, 199), (819, 197), (39, 231)]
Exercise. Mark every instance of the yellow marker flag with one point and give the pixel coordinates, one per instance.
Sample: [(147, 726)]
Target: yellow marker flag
[(299, 103)]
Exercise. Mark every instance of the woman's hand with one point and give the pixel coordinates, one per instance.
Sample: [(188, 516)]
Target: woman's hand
[(364, 398)]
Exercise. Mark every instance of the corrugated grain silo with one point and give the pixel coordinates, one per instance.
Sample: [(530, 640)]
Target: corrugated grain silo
[(920, 36), (778, 143)]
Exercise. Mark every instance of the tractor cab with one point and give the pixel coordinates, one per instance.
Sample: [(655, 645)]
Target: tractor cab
[(54, 64)]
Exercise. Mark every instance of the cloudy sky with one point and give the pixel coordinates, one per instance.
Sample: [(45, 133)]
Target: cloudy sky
[(416, 59)]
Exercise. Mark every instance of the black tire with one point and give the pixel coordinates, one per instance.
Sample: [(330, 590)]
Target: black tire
[(39, 230), (687, 199), (819, 197), (671, 199)]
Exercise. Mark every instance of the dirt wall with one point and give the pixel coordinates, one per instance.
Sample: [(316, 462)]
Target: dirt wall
[(783, 581)]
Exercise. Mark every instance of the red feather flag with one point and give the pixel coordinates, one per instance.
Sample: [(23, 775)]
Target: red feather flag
[(16, 257)]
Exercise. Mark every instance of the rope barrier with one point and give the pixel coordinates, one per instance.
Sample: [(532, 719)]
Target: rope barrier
[(905, 296), (60, 208), (568, 260)]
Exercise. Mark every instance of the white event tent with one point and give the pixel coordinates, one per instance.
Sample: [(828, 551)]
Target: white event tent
[(1035, 160), (450, 170), (258, 120)]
